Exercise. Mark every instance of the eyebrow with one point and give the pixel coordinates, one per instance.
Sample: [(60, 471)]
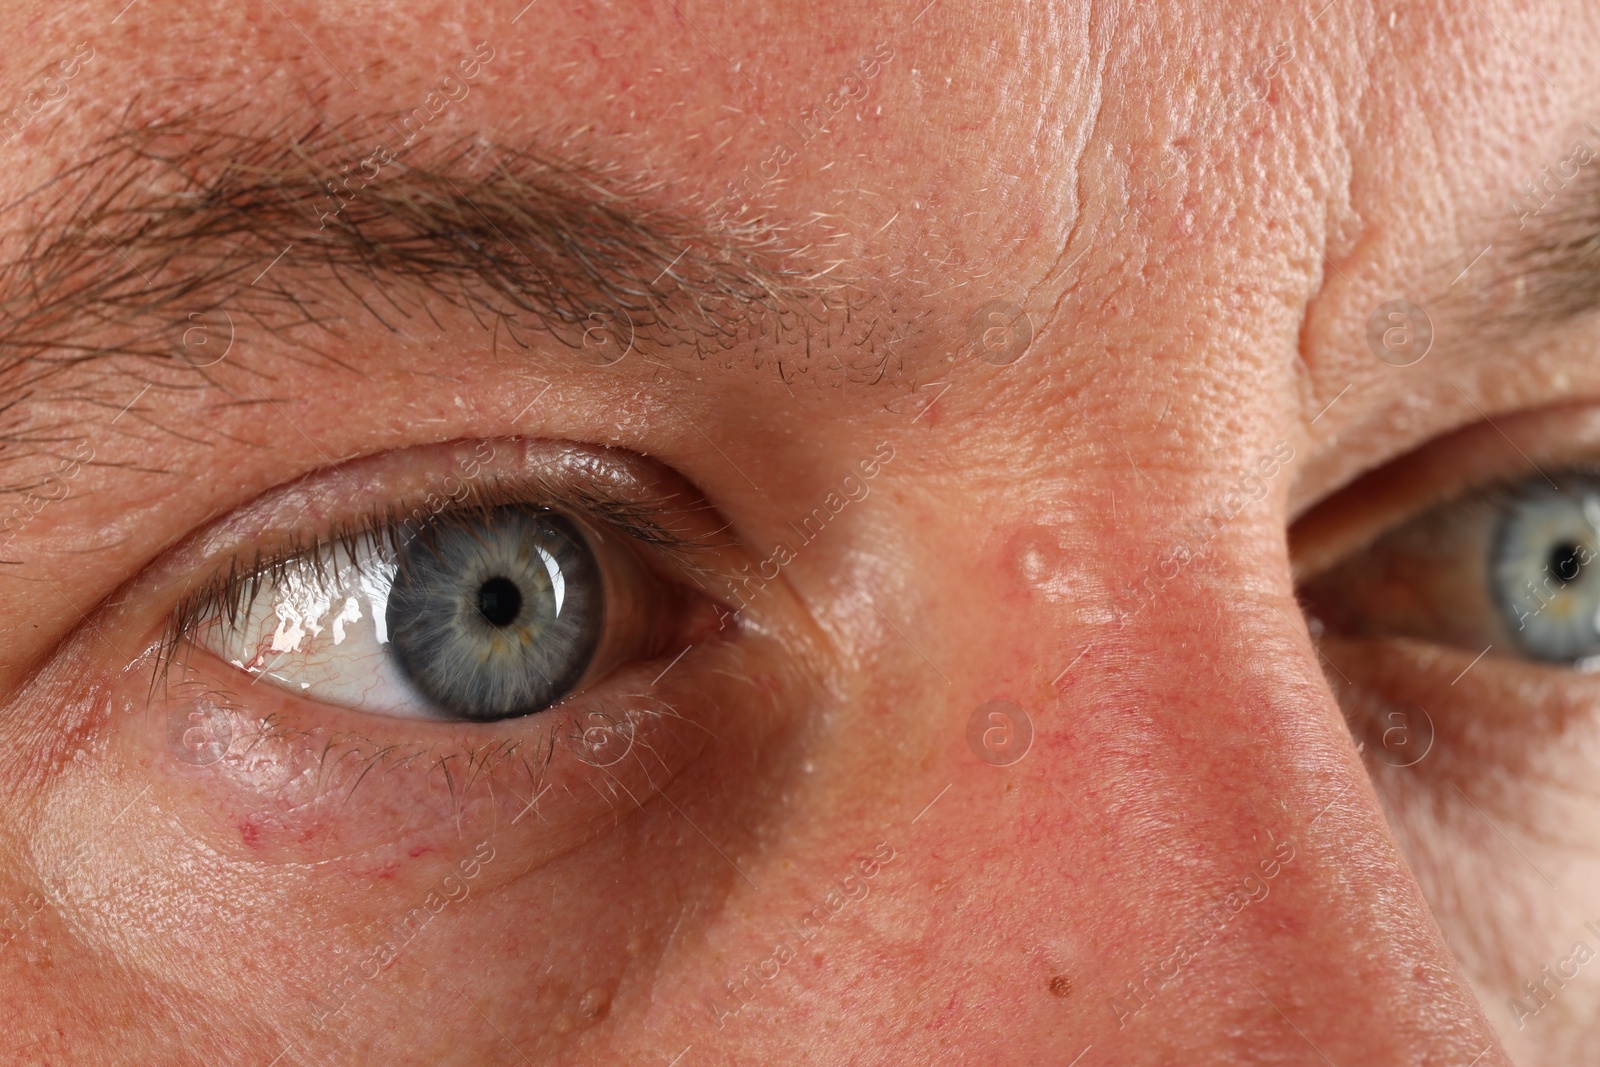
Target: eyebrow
[(1550, 271), (165, 220)]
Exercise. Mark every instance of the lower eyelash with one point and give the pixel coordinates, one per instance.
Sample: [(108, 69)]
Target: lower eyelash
[(619, 744)]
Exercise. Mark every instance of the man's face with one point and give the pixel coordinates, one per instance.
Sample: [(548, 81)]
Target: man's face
[(700, 535)]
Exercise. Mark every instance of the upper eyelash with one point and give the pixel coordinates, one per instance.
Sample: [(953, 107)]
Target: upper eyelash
[(233, 589), (1485, 500), (1505, 491)]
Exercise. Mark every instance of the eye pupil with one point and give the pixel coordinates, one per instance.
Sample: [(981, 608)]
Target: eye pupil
[(1564, 561), (500, 601)]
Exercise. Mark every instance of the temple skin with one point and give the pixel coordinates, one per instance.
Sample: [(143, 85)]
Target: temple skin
[(1195, 208)]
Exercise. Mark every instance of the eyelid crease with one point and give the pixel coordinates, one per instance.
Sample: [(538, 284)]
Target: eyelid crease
[(231, 589)]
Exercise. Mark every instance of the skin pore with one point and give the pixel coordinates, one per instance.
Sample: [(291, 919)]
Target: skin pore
[(1006, 345)]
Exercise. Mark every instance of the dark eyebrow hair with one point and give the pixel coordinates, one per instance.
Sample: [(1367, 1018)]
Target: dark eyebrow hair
[(1559, 269), (1545, 269), (177, 216)]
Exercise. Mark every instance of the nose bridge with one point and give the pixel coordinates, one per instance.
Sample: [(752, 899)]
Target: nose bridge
[(1254, 883)]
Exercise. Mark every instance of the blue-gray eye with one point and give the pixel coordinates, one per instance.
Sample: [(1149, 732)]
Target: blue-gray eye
[(1509, 571), (1543, 570), (495, 613)]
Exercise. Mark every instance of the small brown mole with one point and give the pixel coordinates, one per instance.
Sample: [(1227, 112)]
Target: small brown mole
[(1060, 985)]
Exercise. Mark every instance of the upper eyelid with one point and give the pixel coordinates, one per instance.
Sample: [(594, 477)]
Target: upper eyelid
[(1480, 501), (1483, 497), (386, 525), (1455, 465)]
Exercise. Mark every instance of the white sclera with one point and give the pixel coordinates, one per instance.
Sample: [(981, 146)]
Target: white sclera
[(320, 631)]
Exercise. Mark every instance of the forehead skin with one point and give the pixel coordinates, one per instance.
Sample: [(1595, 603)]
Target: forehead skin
[(1198, 244)]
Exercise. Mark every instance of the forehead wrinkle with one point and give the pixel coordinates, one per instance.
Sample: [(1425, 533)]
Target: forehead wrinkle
[(171, 216)]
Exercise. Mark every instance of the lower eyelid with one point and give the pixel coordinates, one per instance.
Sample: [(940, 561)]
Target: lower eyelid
[(293, 783), (1404, 696)]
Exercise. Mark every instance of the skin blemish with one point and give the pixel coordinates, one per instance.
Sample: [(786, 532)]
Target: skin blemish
[(1060, 985), (1040, 560), (385, 871), (594, 1005), (589, 1009)]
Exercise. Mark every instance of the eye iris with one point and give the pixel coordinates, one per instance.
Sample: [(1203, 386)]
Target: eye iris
[(1541, 572), (495, 614)]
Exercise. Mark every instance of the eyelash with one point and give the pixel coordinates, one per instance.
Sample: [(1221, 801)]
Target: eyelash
[(1486, 497), (232, 589), (1493, 497)]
